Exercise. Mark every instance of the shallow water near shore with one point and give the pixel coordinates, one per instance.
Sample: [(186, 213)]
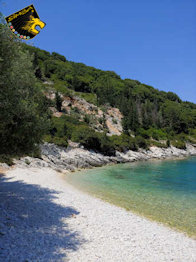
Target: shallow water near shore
[(164, 191)]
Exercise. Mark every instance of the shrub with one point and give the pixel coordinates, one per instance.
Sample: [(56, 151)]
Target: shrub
[(141, 142), (36, 152), (107, 148), (155, 136), (133, 145), (101, 120), (179, 144), (4, 158), (86, 119), (158, 144), (76, 110), (27, 162), (114, 121), (123, 143), (59, 141), (58, 101), (143, 133), (168, 143), (92, 140)]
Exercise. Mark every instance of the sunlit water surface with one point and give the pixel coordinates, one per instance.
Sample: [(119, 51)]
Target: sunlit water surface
[(164, 191)]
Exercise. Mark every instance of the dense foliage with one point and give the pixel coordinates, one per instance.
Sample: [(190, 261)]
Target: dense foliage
[(142, 106), (68, 127), (151, 117), (23, 107)]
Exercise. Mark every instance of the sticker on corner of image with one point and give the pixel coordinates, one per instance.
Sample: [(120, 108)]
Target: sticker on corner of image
[(24, 23)]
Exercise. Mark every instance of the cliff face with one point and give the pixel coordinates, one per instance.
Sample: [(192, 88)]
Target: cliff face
[(107, 118)]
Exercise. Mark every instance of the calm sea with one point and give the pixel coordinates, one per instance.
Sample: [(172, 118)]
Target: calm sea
[(164, 191)]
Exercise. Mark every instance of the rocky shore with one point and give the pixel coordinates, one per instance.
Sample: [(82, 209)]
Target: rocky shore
[(43, 218), (75, 157)]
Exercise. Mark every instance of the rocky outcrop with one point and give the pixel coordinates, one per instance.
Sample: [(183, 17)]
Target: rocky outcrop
[(114, 121), (74, 157), (109, 119)]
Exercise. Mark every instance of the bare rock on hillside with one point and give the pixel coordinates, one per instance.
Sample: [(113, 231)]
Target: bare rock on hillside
[(110, 119)]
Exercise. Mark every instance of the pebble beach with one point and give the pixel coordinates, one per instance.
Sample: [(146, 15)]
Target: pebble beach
[(43, 218)]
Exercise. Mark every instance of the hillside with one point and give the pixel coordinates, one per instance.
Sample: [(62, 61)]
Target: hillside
[(108, 104), (45, 97)]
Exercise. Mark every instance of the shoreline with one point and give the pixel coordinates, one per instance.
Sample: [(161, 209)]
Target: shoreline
[(136, 161), (74, 159), (48, 219), (114, 203)]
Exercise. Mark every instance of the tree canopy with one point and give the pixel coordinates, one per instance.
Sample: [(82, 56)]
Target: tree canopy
[(142, 105), (24, 110), (23, 107)]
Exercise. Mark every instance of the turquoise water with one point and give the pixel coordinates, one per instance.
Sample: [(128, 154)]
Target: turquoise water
[(160, 190)]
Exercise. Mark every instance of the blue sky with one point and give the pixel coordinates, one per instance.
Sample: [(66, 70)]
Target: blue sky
[(152, 41)]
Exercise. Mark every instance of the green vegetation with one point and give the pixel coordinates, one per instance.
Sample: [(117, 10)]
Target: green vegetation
[(179, 144), (23, 107), (142, 106), (68, 127), (58, 101), (151, 117)]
